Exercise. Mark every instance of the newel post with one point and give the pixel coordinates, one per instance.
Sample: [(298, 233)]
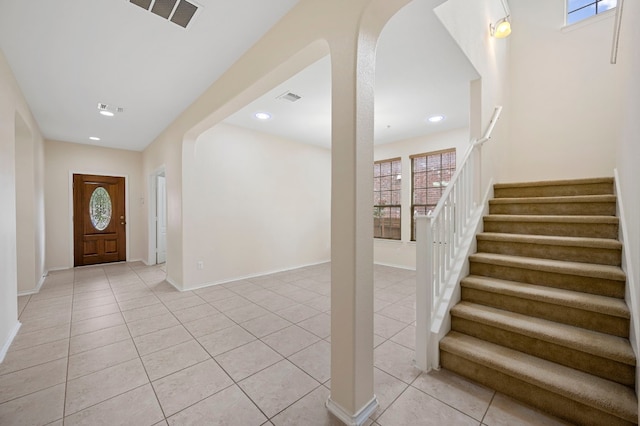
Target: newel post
[(424, 291)]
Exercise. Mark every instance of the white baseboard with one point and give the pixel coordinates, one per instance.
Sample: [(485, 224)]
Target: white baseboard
[(35, 290), (7, 343), (59, 268), (246, 277), (356, 419), (631, 293), (176, 286), (392, 265)]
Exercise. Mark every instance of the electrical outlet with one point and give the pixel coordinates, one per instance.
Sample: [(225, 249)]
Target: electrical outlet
[(200, 264)]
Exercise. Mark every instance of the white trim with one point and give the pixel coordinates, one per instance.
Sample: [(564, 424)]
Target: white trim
[(611, 13), (126, 208), (631, 293), (392, 265), (35, 290), (173, 283), (7, 344), (352, 420), (245, 277), (59, 268), (151, 218)]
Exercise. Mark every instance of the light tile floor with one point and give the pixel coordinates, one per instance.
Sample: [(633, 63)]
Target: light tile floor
[(117, 344)]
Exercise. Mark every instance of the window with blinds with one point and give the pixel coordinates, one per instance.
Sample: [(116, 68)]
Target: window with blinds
[(430, 175), (387, 191)]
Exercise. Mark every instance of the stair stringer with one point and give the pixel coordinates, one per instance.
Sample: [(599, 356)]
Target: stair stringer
[(631, 291), (441, 320)]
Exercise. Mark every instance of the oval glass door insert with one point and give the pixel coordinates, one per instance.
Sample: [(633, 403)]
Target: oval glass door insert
[(100, 209)]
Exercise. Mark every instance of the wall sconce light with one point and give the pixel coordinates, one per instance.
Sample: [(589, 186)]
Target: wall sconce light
[(502, 28)]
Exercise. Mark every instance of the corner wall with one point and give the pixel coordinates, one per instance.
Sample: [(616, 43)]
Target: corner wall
[(565, 96), (468, 23), (262, 204), (61, 161), (14, 109)]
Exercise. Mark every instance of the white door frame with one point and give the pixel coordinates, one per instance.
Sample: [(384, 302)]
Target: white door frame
[(153, 244)]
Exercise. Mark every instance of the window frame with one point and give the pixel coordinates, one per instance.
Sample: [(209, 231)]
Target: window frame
[(590, 3), (426, 155), (391, 190)]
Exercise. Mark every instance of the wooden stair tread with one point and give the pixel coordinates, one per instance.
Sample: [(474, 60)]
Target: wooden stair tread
[(604, 243), (591, 342), (573, 268), (552, 295), (589, 390)]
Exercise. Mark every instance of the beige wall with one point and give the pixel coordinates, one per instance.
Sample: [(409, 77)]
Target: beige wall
[(29, 154), (17, 124), (468, 23), (403, 253), (166, 153), (263, 205), (62, 159), (565, 95)]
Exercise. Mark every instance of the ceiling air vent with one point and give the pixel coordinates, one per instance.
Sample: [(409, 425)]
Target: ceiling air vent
[(288, 96), (180, 12), (163, 8), (110, 110), (145, 4), (184, 13)]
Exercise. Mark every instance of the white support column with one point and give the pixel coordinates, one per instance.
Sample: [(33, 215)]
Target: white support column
[(352, 399)]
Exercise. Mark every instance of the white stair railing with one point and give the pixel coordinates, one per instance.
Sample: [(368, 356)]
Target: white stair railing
[(439, 236)]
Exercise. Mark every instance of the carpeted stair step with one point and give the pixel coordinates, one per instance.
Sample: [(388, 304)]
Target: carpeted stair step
[(600, 354), (572, 249), (562, 226), (599, 205), (556, 188), (562, 391), (604, 280), (590, 311)]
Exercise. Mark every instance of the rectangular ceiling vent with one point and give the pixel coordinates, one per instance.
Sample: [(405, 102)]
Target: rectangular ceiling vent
[(180, 12), (110, 108), (288, 96)]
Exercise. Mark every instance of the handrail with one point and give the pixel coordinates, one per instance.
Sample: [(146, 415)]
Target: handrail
[(492, 123), (441, 239), (616, 32), (479, 142)]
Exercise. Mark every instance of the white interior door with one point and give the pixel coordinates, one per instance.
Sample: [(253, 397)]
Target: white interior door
[(161, 219)]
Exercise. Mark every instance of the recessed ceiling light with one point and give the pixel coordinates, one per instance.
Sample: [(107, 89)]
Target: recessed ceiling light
[(93, 138), (436, 118), (262, 115), (107, 113)]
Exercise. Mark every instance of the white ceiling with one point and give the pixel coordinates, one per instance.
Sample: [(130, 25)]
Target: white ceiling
[(68, 55)]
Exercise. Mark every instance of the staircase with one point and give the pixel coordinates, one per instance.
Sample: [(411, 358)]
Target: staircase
[(542, 316)]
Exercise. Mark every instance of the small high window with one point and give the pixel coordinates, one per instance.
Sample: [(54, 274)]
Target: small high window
[(577, 10), (387, 189)]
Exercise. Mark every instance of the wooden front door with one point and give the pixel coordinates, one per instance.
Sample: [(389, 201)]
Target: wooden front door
[(99, 223)]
